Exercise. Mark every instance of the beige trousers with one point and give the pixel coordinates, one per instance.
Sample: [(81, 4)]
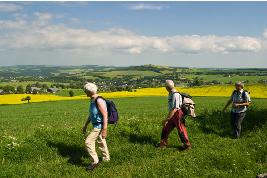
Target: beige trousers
[(95, 135)]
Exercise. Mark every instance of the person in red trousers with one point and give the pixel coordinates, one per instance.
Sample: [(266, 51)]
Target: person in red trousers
[(174, 119)]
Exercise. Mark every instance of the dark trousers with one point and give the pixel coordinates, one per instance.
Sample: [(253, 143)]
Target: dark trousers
[(236, 120), (178, 122)]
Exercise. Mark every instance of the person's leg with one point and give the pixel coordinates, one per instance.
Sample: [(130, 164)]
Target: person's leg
[(165, 132), (234, 121), (180, 125), (90, 144), (239, 120), (103, 147)]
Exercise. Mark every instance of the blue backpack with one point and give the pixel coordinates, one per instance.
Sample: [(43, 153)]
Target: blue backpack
[(113, 115)]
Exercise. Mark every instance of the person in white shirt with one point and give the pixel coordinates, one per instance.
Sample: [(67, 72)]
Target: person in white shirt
[(174, 118), (240, 100)]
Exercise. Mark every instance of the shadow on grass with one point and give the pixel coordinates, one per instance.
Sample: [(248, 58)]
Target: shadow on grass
[(73, 152), (219, 123), (139, 138), (150, 140)]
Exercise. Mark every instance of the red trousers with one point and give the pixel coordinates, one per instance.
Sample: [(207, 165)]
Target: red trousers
[(178, 122)]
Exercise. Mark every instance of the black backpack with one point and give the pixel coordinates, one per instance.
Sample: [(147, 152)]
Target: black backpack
[(244, 97), (113, 115)]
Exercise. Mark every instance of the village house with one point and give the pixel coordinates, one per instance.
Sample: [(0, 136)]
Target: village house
[(35, 89), (52, 90)]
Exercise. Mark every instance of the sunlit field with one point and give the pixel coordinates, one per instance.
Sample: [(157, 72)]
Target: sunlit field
[(45, 140), (57, 58), (256, 91), (16, 98)]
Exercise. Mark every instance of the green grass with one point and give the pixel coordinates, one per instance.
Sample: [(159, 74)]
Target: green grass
[(129, 72), (222, 78), (51, 143), (24, 84), (65, 92)]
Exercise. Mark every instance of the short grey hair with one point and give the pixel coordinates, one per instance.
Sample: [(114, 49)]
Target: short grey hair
[(170, 84), (90, 87), (239, 83)]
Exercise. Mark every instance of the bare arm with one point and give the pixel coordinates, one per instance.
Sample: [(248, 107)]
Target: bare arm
[(246, 102), (169, 116), (227, 104), (176, 102), (242, 104), (171, 113), (103, 110), (86, 124)]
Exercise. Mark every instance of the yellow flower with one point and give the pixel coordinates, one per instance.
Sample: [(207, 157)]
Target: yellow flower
[(256, 91)]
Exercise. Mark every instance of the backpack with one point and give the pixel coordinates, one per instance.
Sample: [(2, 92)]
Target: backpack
[(113, 115), (243, 94), (188, 105)]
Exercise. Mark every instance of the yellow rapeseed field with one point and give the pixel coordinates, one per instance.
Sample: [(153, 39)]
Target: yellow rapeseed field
[(16, 98), (256, 91)]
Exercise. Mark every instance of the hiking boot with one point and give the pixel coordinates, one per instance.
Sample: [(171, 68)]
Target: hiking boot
[(105, 160), (92, 166), (186, 147), (161, 146)]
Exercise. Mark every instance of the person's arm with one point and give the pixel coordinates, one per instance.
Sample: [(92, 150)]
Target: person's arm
[(227, 104), (170, 115), (241, 104), (175, 105), (246, 103), (86, 124), (103, 109)]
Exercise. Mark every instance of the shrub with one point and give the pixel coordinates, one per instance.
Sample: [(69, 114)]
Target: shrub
[(27, 98), (71, 93), (20, 89)]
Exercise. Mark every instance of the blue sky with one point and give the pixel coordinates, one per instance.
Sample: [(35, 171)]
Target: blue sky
[(194, 34)]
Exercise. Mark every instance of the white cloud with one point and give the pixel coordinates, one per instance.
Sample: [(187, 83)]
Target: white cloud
[(41, 34), (74, 20), (12, 24), (20, 15), (265, 33), (71, 3), (43, 16), (9, 7), (215, 44), (146, 6)]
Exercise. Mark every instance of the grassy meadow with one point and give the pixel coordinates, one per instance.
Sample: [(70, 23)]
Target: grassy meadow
[(45, 140)]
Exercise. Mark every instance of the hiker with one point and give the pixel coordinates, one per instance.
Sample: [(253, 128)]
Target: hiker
[(240, 100), (175, 118), (99, 118)]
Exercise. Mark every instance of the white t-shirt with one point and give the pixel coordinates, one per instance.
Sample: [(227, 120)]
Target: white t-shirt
[(174, 101)]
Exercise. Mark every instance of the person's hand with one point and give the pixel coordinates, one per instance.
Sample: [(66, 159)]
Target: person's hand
[(165, 122), (84, 130), (236, 105), (104, 133)]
